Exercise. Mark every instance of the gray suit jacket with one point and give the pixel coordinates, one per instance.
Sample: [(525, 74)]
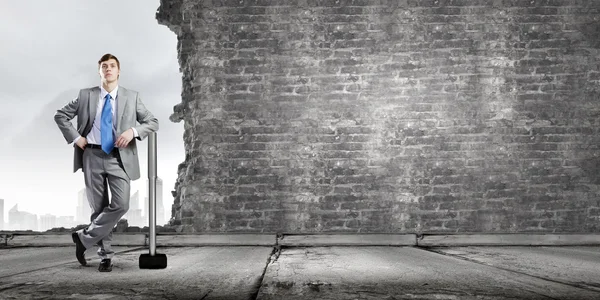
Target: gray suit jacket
[(129, 110)]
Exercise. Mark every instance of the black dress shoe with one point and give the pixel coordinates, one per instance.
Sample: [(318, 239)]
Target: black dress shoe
[(79, 249), (105, 265)]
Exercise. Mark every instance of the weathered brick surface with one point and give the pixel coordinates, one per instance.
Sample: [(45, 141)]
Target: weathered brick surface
[(388, 116)]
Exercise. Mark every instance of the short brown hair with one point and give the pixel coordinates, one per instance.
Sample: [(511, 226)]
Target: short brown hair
[(106, 57)]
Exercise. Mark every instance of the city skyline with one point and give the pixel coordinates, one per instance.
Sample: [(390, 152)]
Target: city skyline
[(5, 202), (136, 216)]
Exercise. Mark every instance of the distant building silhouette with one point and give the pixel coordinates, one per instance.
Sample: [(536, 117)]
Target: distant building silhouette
[(160, 208), (21, 220), (84, 211), (66, 222), (47, 221), (134, 214)]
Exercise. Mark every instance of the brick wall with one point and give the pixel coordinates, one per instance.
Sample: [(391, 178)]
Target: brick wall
[(388, 116)]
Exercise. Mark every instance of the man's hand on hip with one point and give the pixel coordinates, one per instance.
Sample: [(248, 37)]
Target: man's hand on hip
[(81, 142), (124, 138)]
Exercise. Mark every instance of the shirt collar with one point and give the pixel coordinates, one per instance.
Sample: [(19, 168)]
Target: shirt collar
[(113, 94)]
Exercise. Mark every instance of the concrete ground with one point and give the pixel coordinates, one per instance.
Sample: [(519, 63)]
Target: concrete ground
[(356, 272)]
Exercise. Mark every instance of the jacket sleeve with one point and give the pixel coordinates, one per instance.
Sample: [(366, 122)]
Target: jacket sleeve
[(148, 123), (63, 117)]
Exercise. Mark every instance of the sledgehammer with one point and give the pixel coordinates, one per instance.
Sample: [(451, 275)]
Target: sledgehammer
[(152, 260)]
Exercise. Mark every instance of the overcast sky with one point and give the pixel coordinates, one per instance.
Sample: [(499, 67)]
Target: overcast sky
[(50, 50)]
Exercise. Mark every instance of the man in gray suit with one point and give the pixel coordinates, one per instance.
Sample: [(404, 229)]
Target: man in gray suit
[(106, 151)]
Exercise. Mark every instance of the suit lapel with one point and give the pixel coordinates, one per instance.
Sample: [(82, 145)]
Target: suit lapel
[(93, 102), (121, 100), (121, 103)]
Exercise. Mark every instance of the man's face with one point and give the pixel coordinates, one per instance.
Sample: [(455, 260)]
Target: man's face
[(109, 70)]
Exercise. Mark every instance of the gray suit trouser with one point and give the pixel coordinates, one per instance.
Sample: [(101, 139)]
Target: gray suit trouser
[(103, 171)]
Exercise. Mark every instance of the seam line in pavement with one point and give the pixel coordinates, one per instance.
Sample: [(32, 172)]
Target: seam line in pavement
[(571, 284), (65, 263), (275, 253)]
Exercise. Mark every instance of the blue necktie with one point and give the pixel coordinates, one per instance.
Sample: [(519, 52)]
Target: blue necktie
[(106, 126)]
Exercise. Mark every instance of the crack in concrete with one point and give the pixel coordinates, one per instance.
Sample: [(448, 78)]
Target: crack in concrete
[(273, 257), (206, 295), (571, 284)]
